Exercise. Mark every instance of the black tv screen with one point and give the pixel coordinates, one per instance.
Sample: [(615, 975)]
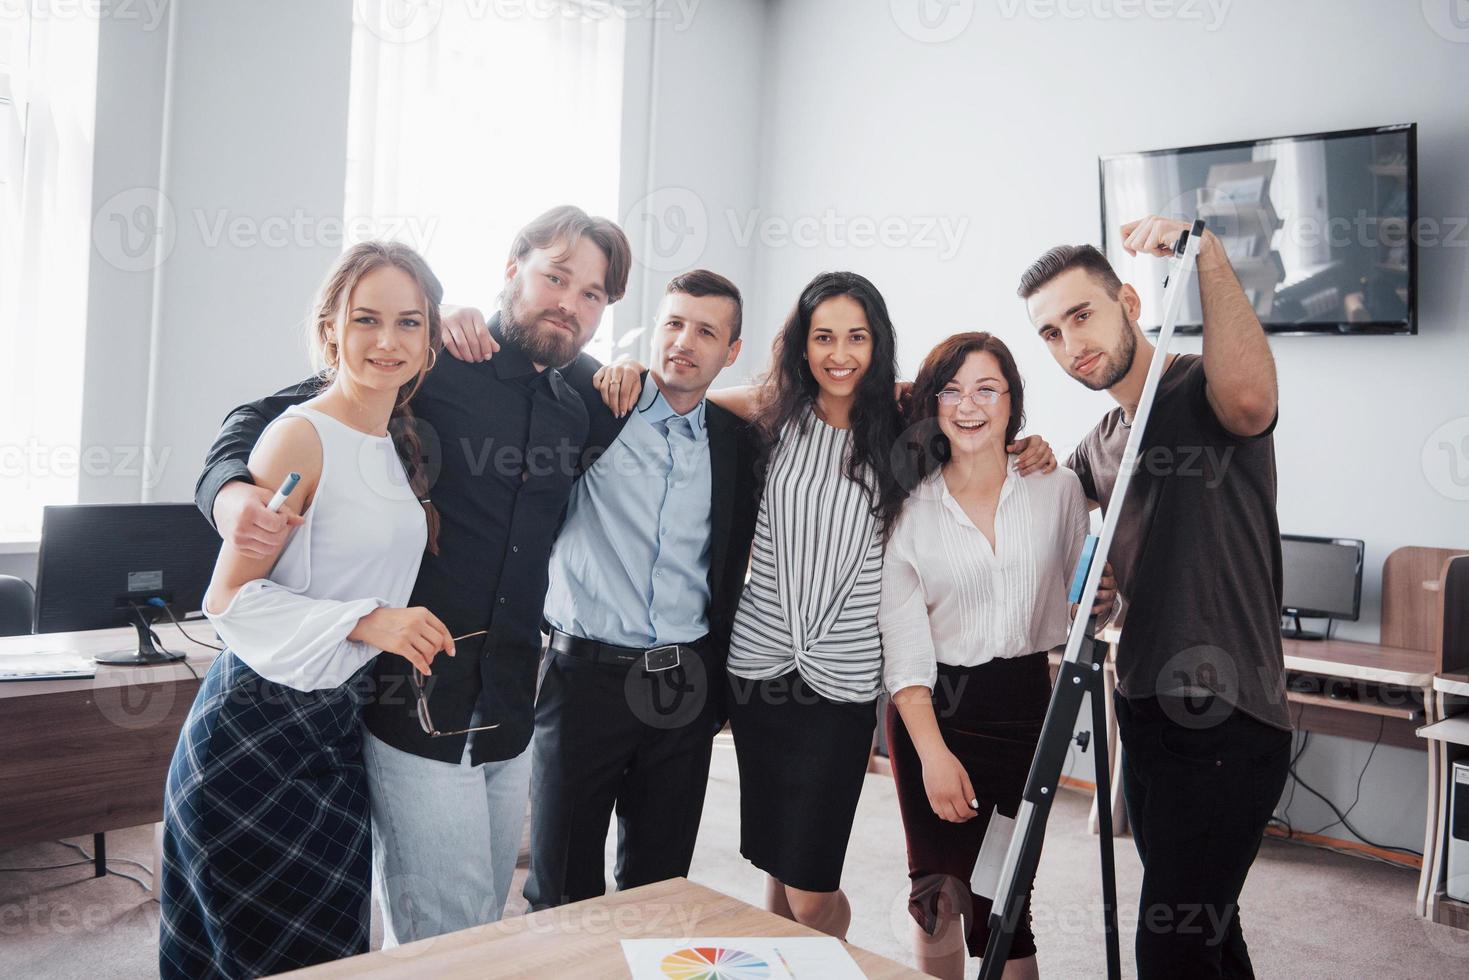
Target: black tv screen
[(1322, 230)]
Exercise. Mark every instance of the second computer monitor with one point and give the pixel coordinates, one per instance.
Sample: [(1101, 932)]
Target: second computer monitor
[(1323, 577)]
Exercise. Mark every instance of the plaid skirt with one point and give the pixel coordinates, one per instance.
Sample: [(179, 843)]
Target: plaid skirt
[(266, 842)]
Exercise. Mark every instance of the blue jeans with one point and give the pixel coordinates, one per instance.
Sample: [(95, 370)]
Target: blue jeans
[(444, 838)]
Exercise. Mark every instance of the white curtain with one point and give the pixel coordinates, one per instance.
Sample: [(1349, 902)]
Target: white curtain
[(469, 118), (48, 81)]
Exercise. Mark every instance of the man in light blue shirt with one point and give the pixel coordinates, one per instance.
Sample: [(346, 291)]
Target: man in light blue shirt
[(631, 564), (645, 578)]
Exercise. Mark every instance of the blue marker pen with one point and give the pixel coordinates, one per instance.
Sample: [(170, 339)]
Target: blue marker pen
[(284, 492)]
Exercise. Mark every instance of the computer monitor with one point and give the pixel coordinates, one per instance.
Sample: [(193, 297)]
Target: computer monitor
[(108, 565), (1323, 579)]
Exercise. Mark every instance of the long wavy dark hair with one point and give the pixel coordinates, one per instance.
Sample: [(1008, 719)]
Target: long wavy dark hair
[(790, 389)]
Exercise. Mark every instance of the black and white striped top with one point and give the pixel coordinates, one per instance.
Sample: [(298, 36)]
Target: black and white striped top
[(815, 572)]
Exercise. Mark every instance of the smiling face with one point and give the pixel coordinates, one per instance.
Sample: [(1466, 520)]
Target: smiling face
[(1092, 335), (839, 346), (969, 427), (384, 341), (553, 300), (691, 343)]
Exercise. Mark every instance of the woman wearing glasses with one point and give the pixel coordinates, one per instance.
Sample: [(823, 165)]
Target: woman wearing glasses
[(974, 588), (266, 828)]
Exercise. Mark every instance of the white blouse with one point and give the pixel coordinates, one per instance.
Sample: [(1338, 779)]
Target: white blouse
[(359, 549), (949, 598)]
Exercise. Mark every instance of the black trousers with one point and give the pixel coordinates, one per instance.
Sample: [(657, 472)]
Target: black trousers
[(611, 736), (1200, 789)]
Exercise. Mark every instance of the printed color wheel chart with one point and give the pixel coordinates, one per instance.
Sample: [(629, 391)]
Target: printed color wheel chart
[(714, 963)]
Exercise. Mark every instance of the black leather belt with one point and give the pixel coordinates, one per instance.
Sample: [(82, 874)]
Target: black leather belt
[(652, 659)]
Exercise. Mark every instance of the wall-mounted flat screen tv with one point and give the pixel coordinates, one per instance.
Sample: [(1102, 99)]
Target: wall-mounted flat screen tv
[(1322, 230)]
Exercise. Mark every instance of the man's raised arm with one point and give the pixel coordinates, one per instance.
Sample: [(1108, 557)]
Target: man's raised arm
[(1237, 360), (226, 495)]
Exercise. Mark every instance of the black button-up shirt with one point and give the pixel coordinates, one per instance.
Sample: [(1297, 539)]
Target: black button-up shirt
[(506, 441), (503, 443)]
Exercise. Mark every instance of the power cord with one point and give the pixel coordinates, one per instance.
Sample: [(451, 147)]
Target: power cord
[(1284, 819), (82, 851), (121, 874), (168, 609), (1342, 817), (1381, 722), (45, 867), (90, 860), (183, 658)]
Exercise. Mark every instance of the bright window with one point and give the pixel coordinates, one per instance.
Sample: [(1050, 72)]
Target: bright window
[(48, 82), (469, 119)]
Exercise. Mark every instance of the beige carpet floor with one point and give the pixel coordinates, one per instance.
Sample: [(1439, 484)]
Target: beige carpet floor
[(1307, 913)]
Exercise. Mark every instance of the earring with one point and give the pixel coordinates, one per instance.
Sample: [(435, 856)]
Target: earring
[(433, 358)]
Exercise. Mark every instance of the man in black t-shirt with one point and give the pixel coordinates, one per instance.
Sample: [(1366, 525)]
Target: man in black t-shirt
[(1201, 693)]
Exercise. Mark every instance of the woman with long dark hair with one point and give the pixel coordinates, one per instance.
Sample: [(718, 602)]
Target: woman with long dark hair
[(266, 828), (974, 591), (805, 659)]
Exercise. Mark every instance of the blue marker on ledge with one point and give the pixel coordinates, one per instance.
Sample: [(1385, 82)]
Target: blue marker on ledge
[(1083, 566), (285, 491)]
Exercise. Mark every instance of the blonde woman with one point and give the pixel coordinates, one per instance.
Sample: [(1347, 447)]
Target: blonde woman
[(266, 827)]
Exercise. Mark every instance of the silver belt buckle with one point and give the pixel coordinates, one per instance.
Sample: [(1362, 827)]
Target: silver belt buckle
[(659, 655)]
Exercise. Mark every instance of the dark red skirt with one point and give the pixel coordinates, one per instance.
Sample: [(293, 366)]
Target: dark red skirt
[(991, 718)]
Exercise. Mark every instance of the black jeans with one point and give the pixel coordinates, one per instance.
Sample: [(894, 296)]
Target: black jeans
[(1199, 794), (617, 737)]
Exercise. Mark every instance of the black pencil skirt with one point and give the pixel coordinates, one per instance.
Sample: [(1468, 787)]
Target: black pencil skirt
[(991, 718), (802, 762)]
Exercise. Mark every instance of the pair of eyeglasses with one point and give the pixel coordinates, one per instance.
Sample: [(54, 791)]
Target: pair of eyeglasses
[(425, 720), (949, 398)]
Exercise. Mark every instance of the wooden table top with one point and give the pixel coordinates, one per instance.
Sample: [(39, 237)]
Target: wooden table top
[(1452, 684), (584, 939), (1370, 662), (103, 641)]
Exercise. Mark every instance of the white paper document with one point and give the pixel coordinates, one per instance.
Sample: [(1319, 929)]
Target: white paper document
[(740, 958), (986, 877), (45, 666)]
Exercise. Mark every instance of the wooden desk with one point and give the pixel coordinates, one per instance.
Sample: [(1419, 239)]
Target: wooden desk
[(1395, 715), (584, 939), (90, 755), (1402, 703), (1445, 736)]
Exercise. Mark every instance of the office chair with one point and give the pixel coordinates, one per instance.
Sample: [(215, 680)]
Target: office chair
[(17, 606)]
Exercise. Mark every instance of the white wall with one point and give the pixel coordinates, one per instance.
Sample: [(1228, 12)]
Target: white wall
[(255, 170), (213, 121), (1000, 126), (691, 147), (132, 59)]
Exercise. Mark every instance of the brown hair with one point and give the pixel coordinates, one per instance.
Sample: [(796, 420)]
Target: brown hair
[(1063, 258), (702, 282), (926, 442), (567, 224), (330, 311)]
